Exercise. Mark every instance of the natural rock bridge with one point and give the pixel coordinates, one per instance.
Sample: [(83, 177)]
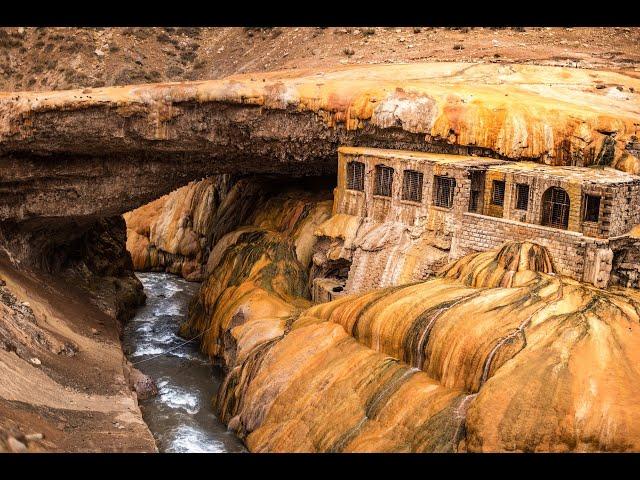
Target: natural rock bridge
[(80, 155)]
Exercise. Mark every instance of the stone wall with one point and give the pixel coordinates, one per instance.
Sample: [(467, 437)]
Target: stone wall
[(381, 209), (625, 213), (614, 218), (581, 251), (570, 251)]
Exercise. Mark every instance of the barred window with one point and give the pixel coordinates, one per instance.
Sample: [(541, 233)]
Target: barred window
[(412, 186), (591, 208), (522, 196), (477, 187), (384, 181), (443, 191), (555, 208), (355, 176), (497, 193)]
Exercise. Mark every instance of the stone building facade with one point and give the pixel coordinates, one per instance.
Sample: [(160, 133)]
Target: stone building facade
[(477, 203)]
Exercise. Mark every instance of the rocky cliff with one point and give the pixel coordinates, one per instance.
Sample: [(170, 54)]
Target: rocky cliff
[(142, 141), (66, 385), (260, 269), (172, 233)]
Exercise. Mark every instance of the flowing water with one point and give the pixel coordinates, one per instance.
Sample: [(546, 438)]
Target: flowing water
[(180, 416)]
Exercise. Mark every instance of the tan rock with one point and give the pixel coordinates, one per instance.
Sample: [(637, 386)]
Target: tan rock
[(524, 358), (16, 446)]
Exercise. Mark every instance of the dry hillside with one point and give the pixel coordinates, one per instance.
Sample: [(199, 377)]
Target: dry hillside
[(43, 58)]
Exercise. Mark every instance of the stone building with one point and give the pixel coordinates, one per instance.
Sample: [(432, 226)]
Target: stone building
[(477, 203)]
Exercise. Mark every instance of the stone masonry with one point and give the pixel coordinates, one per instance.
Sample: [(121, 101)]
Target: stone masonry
[(484, 211)]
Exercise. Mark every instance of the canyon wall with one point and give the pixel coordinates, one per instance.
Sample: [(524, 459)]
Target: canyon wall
[(260, 269), (101, 152), (171, 233), (176, 233), (66, 385)]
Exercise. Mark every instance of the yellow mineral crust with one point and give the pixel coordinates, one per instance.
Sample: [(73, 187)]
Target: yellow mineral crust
[(519, 111), (174, 232), (171, 230), (257, 276), (515, 264), (258, 271), (499, 354)]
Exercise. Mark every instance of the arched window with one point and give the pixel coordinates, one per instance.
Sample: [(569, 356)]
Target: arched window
[(555, 208)]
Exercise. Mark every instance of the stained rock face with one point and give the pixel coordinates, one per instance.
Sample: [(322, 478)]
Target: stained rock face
[(258, 271), (171, 232), (120, 147), (178, 232), (378, 254), (525, 110), (498, 354)]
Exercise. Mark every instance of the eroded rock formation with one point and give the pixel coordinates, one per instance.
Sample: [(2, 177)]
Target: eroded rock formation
[(260, 269), (66, 385), (171, 233), (377, 254), (499, 354), (177, 232), (101, 152)]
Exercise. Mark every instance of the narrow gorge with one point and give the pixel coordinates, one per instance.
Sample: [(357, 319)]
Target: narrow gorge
[(436, 257)]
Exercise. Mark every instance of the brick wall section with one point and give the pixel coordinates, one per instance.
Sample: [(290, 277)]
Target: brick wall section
[(568, 249), (625, 213), (394, 209), (618, 202)]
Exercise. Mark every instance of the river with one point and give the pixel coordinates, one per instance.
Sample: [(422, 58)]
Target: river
[(180, 417)]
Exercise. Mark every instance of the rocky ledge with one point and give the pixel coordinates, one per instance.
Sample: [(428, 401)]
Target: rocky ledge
[(108, 150)]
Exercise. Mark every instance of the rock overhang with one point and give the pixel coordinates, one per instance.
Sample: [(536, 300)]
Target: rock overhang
[(554, 114), (96, 152)]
